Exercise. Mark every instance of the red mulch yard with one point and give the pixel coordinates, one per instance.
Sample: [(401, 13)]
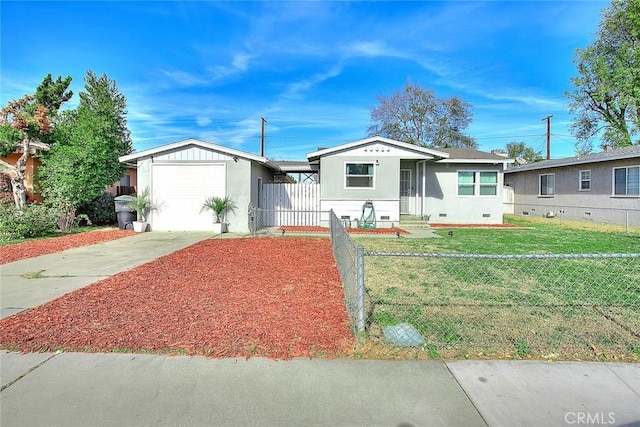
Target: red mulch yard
[(277, 298), (354, 230), (18, 251)]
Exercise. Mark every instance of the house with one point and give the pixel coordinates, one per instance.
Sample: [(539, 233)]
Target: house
[(127, 184), (444, 185), (32, 165), (601, 187), (183, 174)]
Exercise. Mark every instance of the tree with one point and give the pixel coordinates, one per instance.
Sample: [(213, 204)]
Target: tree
[(417, 116), (25, 125), (605, 99), (89, 141), (522, 154)]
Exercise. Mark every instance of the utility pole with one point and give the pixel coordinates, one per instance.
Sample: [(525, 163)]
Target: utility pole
[(262, 138), (548, 119)]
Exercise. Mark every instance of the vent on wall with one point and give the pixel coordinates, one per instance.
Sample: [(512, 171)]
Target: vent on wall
[(384, 217), (442, 215), (486, 215)]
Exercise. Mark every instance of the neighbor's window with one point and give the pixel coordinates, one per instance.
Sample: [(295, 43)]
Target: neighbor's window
[(488, 183), (585, 180), (466, 183), (548, 184), (626, 181), (359, 175)]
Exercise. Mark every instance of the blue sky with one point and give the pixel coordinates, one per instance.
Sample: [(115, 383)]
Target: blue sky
[(313, 70)]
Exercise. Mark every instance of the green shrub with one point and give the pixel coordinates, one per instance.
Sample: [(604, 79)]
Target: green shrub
[(33, 221), (101, 210)]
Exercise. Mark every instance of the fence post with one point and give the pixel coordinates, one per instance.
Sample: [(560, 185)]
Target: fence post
[(626, 220), (360, 290)]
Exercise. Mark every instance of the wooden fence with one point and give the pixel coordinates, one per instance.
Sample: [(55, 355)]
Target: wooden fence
[(290, 204)]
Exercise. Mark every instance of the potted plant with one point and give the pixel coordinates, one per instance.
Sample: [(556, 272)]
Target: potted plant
[(219, 206), (141, 203)]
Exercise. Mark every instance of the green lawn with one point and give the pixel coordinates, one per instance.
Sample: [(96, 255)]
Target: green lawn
[(475, 307)]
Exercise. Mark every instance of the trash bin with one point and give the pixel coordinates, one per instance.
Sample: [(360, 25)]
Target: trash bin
[(125, 215)]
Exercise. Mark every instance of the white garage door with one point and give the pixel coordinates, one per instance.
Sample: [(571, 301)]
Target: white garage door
[(179, 192)]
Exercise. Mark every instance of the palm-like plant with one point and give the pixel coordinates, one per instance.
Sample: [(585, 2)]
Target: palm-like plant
[(141, 203), (219, 206)]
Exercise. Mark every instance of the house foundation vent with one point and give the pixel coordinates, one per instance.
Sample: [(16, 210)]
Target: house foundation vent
[(442, 215), (384, 217), (486, 215)]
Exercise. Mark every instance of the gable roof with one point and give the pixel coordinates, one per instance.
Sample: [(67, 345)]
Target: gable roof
[(630, 152), (199, 143), (471, 155), (404, 145)]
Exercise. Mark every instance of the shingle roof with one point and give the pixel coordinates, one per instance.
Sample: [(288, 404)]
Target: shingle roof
[(620, 153)]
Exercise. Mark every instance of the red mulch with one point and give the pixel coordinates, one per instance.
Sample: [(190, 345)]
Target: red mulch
[(432, 225), (354, 230), (18, 251), (278, 298)]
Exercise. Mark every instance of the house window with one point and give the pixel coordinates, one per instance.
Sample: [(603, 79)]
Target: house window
[(488, 183), (585, 180), (626, 181), (359, 175), (548, 184), (466, 183), (471, 183)]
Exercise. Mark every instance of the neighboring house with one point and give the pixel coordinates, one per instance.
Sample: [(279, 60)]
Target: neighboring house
[(454, 185), (601, 187), (127, 184), (33, 163), (182, 175)]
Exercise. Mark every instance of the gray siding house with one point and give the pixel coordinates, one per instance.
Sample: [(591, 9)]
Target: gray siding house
[(600, 187), (442, 185)]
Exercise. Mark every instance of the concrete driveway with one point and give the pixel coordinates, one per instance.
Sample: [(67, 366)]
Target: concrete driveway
[(33, 281)]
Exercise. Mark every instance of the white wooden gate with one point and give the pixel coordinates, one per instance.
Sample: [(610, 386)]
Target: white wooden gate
[(290, 204)]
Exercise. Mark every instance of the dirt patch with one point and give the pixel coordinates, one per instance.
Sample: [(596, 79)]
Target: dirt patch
[(307, 229), (278, 298), (30, 249)]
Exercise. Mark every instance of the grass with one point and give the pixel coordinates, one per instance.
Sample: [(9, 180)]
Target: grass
[(511, 308)]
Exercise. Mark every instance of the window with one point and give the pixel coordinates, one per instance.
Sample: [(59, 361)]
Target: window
[(548, 184), (488, 183), (585, 180), (359, 175), (626, 181), (466, 183), (471, 183)]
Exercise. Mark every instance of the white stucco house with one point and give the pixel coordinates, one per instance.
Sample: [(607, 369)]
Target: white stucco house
[(445, 185)]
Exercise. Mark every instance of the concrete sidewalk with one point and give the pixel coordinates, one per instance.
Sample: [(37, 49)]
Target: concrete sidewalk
[(75, 389), (132, 389)]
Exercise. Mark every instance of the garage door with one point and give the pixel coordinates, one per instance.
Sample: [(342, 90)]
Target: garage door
[(179, 192)]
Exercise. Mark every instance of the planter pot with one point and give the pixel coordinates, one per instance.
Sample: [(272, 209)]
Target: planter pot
[(219, 227), (139, 226)]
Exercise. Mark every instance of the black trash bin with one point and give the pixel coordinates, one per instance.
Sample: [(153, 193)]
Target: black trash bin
[(126, 215)]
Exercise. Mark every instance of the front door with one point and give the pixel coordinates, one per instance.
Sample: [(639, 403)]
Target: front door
[(405, 191)]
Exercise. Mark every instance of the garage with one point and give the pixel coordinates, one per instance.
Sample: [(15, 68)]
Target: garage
[(181, 175), (178, 192)]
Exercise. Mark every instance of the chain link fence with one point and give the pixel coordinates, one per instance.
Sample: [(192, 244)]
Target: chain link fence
[(426, 305)]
